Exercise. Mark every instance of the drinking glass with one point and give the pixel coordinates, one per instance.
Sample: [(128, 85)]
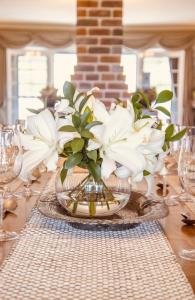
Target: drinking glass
[(171, 163), (10, 167), (182, 144), (173, 166), (187, 177), (20, 127)]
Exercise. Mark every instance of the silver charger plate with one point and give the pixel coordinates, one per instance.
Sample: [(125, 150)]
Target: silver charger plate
[(138, 210)]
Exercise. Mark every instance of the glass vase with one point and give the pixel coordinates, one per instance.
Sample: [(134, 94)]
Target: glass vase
[(82, 196)]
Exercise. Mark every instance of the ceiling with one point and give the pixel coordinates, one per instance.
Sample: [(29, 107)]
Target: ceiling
[(41, 11), (159, 11), (64, 11)]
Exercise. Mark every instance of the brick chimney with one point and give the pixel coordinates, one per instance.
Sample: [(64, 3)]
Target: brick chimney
[(99, 42)]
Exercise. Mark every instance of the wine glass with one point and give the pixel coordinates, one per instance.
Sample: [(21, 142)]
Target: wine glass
[(172, 165), (170, 168), (20, 127), (10, 167), (182, 144), (187, 177)]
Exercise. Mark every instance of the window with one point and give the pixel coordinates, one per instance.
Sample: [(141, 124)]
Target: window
[(159, 76), (159, 73), (158, 69), (32, 77), (31, 70), (129, 63), (63, 69)]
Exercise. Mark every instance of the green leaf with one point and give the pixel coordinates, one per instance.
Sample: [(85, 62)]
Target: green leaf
[(178, 136), (138, 105), (67, 151), (159, 125), (145, 99), (35, 111), (83, 102), (146, 117), (90, 118), (94, 170), (69, 91), (78, 97), (77, 145), (135, 98), (82, 165), (67, 128), (68, 144), (169, 132), (146, 173), (92, 155), (87, 134), (119, 102), (84, 118), (76, 120), (63, 174), (94, 123), (164, 96), (165, 146), (73, 160), (163, 110)]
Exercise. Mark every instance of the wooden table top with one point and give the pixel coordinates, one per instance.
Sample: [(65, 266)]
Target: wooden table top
[(179, 236)]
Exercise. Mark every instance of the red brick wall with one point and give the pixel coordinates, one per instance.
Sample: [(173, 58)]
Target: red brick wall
[(99, 43)]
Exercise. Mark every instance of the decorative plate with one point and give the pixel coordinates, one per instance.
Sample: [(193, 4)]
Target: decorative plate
[(138, 210)]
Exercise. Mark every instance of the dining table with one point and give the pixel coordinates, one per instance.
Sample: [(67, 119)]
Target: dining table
[(179, 235)]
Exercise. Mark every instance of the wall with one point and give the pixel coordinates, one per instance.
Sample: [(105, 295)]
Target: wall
[(64, 11), (48, 11), (159, 12), (99, 44)]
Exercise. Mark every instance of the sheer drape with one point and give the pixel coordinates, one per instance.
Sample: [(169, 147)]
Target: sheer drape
[(171, 40), (187, 98), (2, 75), (20, 35)]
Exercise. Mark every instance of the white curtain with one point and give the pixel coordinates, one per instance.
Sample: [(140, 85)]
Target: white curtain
[(18, 36)]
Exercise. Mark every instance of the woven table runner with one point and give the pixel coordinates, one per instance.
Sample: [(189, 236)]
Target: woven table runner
[(53, 260)]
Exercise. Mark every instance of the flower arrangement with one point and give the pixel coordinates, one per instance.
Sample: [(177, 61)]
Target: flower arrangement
[(123, 140)]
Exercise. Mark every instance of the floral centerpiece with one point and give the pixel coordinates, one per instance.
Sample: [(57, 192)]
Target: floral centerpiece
[(124, 141)]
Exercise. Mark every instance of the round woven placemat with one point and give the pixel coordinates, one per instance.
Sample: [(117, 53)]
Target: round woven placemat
[(138, 210)]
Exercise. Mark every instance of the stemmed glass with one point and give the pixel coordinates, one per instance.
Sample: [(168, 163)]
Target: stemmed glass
[(20, 127), (10, 167), (187, 177), (182, 144), (172, 165), (171, 161)]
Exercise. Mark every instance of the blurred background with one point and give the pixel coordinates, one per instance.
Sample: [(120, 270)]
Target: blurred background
[(120, 46)]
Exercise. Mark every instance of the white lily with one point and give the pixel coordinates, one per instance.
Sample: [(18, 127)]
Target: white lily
[(133, 145), (63, 107), (40, 143), (113, 138), (151, 143), (90, 102)]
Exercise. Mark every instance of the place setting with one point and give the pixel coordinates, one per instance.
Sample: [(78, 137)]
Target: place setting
[(97, 150)]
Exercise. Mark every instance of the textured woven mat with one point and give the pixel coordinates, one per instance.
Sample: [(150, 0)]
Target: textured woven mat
[(52, 260)]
